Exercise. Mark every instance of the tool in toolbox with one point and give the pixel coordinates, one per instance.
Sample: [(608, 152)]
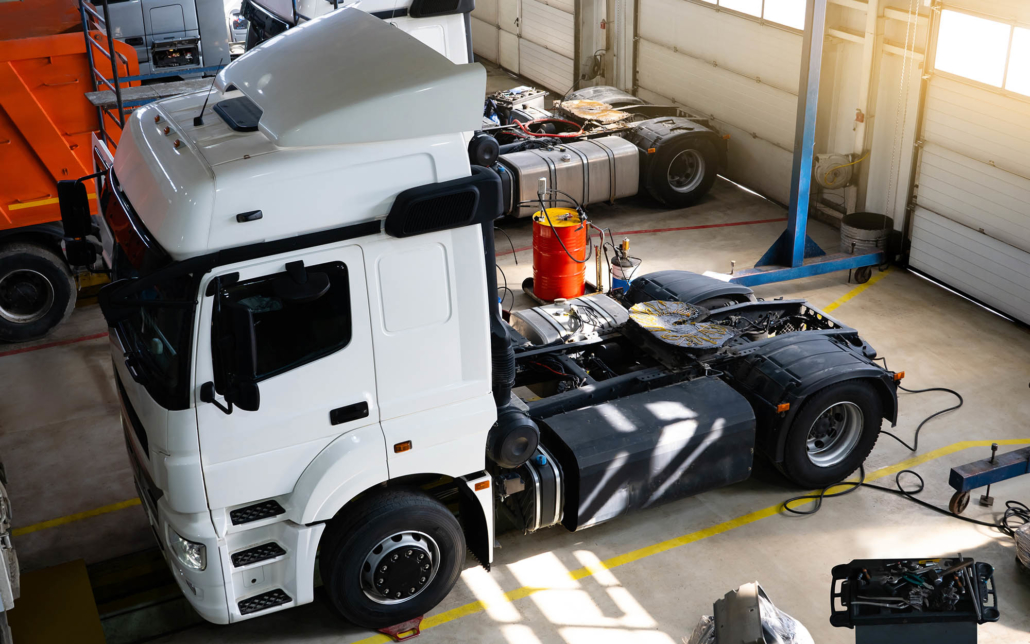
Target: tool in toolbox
[(912, 601)]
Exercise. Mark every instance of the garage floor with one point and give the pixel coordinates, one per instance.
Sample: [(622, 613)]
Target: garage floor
[(645, 578)]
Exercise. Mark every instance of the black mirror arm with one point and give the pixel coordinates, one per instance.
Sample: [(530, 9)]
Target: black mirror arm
[(207, 394)]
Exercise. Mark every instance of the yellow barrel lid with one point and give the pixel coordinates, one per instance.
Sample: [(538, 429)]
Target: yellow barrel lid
[(559, 217)]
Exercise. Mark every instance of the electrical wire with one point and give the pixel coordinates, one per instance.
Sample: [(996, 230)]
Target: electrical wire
[(1016, 513), (505, 233)]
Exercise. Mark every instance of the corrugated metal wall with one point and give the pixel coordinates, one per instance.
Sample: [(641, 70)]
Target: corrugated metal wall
[(534, 38)]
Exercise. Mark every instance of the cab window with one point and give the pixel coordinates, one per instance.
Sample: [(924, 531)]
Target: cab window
[(292, 333)]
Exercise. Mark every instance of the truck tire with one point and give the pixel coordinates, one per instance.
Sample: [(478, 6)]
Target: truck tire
[(832, 434), (682, 173), (409, 538), (37, 291)]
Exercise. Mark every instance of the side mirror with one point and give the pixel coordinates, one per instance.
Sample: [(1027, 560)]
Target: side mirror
[(236, 361), (74, 203), (243, 390)]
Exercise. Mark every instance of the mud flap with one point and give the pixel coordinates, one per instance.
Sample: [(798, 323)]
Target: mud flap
[(476, 508)]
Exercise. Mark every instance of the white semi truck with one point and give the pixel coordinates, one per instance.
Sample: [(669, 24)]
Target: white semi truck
[(313, 369)]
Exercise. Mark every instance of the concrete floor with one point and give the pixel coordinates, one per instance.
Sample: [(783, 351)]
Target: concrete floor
[(61, 442)]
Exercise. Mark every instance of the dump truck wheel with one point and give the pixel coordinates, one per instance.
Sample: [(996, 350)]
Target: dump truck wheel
[(37, 291), (391, 558), (682, 173), (832, 434)]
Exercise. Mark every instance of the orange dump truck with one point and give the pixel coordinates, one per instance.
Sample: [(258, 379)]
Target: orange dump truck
[(46, 128)]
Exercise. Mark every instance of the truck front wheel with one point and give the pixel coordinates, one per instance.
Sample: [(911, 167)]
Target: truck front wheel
[(832, 434), (37, 291), (391, 558)]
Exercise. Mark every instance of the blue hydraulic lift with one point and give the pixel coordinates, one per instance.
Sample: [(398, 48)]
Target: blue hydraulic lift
[(794, 255)]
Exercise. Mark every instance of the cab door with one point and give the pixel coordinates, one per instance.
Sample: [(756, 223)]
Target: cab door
[(315, 374)]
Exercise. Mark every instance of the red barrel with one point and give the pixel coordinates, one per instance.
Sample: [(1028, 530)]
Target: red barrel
[(555, 274)]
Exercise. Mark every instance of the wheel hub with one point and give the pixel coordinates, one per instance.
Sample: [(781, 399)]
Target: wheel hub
[(400, 567), (25, 296), (686, 171), (834, 434)]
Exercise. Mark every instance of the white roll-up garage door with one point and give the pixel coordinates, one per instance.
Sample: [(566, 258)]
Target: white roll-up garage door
[(534, 38), (971, 226), (741, 73)]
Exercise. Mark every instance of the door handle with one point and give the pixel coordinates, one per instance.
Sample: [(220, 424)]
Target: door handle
[(348, 413)]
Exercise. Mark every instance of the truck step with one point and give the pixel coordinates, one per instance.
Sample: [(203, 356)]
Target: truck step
[(265, 551), (264, 601), (255, 512)]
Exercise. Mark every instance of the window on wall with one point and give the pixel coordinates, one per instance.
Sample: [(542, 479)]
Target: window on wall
[(790, 13), (987, 51)]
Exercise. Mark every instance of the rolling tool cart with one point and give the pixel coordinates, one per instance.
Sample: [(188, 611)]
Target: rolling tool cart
[(913, 601)]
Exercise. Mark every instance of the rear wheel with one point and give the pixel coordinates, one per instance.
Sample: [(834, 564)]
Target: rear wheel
[(37, 291), (832, 434), (391, 558), (682, 173)]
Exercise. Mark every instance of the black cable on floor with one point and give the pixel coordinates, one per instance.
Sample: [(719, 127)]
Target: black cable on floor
[(915, 446)]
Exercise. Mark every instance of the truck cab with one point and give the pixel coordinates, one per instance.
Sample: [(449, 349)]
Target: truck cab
[(282, 188)]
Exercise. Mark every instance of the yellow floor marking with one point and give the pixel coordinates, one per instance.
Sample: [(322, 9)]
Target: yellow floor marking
[(855, 291), (53, 523), (669, 544)]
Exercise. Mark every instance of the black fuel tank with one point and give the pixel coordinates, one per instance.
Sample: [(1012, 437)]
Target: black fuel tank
[(648, 448)]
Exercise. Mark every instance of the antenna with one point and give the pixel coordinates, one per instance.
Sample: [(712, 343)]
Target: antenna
[(199, 119)]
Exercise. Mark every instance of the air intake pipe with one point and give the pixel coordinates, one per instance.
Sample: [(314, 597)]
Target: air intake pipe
[(515, 437)]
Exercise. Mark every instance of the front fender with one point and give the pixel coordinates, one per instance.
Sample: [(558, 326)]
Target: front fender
[(351, 464)]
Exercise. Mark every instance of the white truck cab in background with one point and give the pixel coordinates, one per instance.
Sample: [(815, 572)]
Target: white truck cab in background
[(172, 35)]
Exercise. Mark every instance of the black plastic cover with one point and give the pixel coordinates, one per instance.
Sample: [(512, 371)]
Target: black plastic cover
[(241, 114), (670, 130), (475, 199), (648, 448), (683, 286)]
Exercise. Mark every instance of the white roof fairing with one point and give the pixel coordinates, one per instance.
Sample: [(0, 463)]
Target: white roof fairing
[(349, 77)]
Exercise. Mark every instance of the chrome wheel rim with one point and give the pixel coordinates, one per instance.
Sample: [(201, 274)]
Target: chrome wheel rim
[(25, 296), (400, 567), (686, 171), (835, 434)]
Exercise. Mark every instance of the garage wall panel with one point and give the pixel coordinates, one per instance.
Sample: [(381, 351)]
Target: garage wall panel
[(742, 46), (550, 69), (760, 109), (983, 267), (484, 40), (486, 10), (976, 195), (548, 27), (508, 55)]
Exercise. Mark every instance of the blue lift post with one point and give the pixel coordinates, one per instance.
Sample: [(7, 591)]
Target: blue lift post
[(794, 255)]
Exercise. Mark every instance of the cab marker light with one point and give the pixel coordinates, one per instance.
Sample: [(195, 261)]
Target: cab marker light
[(482, 485), (782, 407), (402, 447)]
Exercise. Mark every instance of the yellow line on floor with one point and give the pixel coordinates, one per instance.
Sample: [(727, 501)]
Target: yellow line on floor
[(855, 291), (53, 523), (669, 544)]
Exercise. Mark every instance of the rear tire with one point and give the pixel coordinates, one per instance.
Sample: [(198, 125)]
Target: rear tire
[(37, 291), (832, 434), (682, 173), (426, 529)]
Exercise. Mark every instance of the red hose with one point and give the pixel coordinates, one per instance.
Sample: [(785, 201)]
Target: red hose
[(569, 135)]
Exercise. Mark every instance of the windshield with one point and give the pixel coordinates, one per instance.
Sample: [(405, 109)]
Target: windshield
[(153, 317)]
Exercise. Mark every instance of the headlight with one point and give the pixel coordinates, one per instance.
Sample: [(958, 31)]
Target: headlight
[(190, 553)]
